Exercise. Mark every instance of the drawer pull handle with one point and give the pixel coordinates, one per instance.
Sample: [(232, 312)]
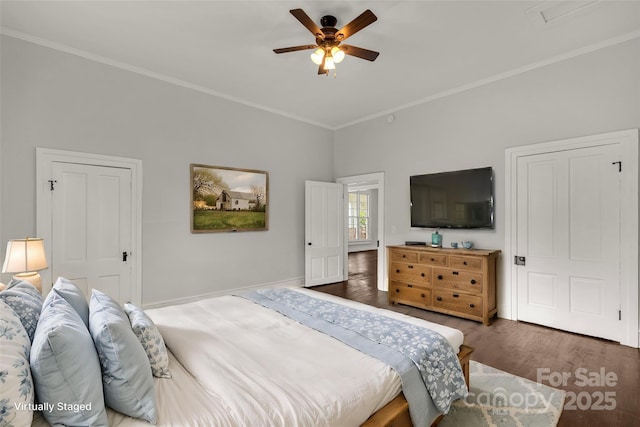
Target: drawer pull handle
[(456, 295), (422, 275), (473, 281), (455, 273), (397, 270), (409, 285), (410, 266), (433, 259), (397, 290), (439, 298), (440, 277), (422, 295), (464, 262), (404, 256), (472, 306)]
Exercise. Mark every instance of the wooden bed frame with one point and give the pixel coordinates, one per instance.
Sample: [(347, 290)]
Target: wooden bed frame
[(396, 412)]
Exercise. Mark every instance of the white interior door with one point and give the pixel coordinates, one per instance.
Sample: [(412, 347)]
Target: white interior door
[(568, 231), (325, 248), (91, 227)]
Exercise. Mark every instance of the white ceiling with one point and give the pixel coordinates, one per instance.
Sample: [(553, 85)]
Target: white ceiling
[(428, 49)]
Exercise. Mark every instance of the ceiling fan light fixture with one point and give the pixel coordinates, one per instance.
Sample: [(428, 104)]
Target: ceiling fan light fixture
[(329, 63), (317, 56), (337, 54), (326, 50)]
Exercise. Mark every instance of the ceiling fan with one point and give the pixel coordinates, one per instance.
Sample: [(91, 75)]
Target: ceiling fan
[(328, 48)]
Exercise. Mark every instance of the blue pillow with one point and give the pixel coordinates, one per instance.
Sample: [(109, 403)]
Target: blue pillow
[(26, 301), (149, 336), (74, 296), (126, 373), (65, 367), (16, 384)]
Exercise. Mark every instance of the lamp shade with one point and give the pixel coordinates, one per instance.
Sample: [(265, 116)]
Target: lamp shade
[(337, 54), (317, 56), (24, 255), (328, 63)]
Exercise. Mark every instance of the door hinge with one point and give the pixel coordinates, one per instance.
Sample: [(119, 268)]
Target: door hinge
[(619, 314), (51, 182), (619, 163), (519, 260)]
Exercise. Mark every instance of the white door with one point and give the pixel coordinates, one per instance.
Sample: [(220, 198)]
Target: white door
[(568, 231), (324, 233), (91, 227)]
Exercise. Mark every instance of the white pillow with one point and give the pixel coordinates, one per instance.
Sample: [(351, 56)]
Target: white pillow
[(149, 336), (16, 384)]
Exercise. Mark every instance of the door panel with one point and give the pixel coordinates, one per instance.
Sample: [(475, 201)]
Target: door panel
[(324, 233), (91, 227), (568, 228)]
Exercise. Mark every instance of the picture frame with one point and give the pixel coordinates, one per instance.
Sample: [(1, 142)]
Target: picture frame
[(225, 199)]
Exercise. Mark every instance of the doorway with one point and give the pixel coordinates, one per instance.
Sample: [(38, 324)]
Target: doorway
[(374, 184)]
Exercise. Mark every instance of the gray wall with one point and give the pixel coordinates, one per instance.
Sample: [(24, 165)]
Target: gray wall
[(56, 100), (52, 99), (590, 94)]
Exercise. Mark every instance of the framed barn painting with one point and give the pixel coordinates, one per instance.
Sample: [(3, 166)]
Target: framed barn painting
[(228, 199)]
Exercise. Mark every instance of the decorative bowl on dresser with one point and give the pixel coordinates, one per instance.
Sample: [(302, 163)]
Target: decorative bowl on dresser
[(459, 282)]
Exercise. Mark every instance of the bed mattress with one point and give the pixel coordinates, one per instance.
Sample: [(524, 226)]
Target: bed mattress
[(236, 363)]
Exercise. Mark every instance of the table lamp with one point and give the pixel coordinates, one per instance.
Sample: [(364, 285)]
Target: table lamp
[(26, 257)]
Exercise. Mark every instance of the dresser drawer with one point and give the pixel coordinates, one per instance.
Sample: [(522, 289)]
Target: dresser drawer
[(405, 272), (463, 303), (465, 262), (409, 294), (458, 279), (457, 282), (433, 259), (404, 256)]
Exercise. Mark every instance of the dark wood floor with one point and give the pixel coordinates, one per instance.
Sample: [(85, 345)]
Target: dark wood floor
[(525, 349)]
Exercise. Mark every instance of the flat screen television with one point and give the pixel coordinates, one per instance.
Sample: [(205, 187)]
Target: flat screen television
[(456, 199)]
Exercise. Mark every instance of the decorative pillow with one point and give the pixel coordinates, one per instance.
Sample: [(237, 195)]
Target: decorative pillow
[(74, 296), (16, 384), (26, 302), (65, 367), (149, 336), (126, 374)]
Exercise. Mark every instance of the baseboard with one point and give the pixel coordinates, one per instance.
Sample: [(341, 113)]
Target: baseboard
[(296, 282)]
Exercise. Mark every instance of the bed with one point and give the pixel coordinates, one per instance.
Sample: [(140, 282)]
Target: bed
[(236, 362)]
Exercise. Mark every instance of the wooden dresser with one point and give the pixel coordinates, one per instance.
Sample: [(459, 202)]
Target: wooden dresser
[(459, 282)]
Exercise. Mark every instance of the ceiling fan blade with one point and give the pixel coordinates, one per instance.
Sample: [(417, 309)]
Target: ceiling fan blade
[(295, 48), (366, 18), (307, 22), (359, 52)]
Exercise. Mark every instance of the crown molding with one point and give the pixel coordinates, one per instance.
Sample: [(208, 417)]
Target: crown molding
[(501, 76), (453, 91), (152, 74)]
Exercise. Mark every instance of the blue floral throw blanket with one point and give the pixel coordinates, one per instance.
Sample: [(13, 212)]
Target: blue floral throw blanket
[(427, 364)]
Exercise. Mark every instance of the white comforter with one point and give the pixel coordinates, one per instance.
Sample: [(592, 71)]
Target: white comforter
[(239, 364), (264, 369)]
